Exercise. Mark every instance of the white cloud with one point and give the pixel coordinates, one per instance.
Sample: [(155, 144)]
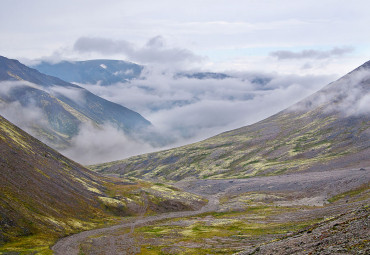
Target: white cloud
[(311, 54), (75, 94), (347, 96), (186, 110), (154, 50), (25, 117), (101, 144)]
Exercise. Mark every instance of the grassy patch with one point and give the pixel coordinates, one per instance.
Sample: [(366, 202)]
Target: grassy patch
[(350, 193), (215, 232), (34, 244)]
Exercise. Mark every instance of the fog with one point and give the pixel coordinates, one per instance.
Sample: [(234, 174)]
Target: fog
[(188, 110), (102, 144), (347, 96), (182, 110)]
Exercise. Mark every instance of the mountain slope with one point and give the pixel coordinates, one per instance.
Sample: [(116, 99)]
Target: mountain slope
[(104, 71), (65, 105), (42, 191), (44, 195), (328, 130)]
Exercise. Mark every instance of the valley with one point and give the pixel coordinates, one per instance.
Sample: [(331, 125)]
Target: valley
[(239, 214), (294, 183), (325, 131), (184, 127)]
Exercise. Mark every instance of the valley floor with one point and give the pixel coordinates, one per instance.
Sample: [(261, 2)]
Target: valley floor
[(318, 212)]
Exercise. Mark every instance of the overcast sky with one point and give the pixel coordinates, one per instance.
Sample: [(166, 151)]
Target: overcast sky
[(286, 36)]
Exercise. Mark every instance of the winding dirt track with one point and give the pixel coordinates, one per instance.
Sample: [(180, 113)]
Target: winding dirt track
[(312, 184), (70, 245)]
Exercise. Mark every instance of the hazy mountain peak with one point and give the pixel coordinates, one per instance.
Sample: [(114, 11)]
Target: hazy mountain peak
[(102, 71), (65, 105)]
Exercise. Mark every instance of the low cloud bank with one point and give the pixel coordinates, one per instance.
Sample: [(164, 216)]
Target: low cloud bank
[(102, 144), (182, 110), (311, 54), (347, 96)]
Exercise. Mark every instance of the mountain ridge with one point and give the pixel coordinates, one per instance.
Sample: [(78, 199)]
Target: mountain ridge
[(45, 196), (106, 72), (66, 105), (103, 71), (310, 135)]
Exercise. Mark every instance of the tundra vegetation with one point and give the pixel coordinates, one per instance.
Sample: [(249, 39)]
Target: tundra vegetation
[(298, 177)]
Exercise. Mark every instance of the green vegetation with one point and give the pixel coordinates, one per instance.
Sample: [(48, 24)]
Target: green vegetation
[(350, 194), (45, 196), (271, 147), (229, 232)]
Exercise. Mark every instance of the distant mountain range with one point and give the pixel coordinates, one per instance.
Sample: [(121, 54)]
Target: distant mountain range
[(107, 72), (104, 71), (65, 105), (328, 130), (203, 75)]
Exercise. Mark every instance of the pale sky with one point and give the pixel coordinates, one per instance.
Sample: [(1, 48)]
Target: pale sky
[(285, 36)]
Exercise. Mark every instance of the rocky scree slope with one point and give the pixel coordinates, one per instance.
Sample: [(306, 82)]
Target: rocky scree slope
[(347, 233)]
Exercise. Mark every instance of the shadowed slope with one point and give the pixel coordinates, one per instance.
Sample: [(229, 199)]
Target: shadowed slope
[(44, 195), (42, 191)]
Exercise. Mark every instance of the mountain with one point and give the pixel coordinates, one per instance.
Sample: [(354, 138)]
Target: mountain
[(45, 196), (203, 75), (103, 71), (42, 191), (107, 72), (328, 130), (64, 105)]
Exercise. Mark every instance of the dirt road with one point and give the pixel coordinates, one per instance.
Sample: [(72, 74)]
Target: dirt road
[(70, 245), (314, 184)]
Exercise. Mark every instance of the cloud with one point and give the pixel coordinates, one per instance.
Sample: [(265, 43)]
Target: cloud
[(186, 110), (104, 143), (25, 117), (7, 86), (154, 51), (311, 54), (75, 94), (182, 110), (351, 94), (347, 96)]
